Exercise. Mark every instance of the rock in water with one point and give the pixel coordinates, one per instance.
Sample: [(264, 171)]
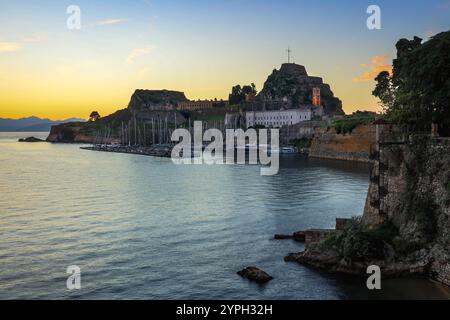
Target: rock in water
[(282, 237), (31, 139), (255, 274)]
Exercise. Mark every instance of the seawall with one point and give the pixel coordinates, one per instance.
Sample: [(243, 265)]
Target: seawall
[(354, 146), (405, 228), (410, 188)]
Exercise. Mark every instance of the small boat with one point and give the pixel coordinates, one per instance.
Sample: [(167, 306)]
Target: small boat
[(289, 150)]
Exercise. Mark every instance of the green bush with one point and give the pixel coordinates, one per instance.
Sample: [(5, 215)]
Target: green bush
[(302, 143), (347, 124), (357, 243)]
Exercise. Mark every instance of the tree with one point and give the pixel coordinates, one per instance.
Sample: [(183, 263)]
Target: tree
[(236, 95), (418, 92), (94, 116), (251, 89), (384, 90), (239, 94)]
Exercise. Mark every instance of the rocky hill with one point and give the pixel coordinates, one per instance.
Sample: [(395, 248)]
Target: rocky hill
[(291, 85), (155, 99), (145, 107)]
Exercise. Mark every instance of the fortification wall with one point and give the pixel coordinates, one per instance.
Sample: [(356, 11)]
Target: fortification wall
[(356, 146), (410, 187)]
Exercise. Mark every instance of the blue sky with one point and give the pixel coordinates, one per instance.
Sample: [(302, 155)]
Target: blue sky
[(197, 46)]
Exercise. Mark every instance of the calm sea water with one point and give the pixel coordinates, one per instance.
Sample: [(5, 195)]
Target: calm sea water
[(142, 228)]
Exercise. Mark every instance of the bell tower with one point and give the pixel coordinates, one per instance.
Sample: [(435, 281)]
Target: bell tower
[(316, 97)]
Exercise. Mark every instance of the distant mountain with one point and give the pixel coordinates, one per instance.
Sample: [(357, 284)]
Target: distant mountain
[(32, 124)]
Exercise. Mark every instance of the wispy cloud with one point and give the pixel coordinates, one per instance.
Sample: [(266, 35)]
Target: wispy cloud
[(9, 46), (12, 46), (108, 22), (379, 63), (138, 52)]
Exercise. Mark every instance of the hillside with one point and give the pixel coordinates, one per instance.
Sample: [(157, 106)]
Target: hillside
[(291, 85), (31, 124)]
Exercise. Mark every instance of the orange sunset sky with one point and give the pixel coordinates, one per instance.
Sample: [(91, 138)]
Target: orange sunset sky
[(202, 48)]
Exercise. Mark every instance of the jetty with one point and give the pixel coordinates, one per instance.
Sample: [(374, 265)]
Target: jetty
[(162, 151)]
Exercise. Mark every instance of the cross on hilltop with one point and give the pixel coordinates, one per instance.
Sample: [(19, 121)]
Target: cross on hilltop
[(289, 51)]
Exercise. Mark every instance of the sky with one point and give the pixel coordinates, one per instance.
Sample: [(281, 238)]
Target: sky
[(200, 47)]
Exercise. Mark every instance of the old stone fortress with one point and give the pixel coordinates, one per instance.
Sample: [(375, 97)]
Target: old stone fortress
[(290, 96)]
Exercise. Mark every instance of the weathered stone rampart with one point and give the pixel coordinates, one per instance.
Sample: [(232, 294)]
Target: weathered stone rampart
[(355, 146)]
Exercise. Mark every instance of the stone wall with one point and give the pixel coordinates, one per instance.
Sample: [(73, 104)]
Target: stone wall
[(303, 130), (410, 188), (441, 272), (314, 236), (356, 146)]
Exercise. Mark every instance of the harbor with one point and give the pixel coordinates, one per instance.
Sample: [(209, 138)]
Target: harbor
[(165, 150)]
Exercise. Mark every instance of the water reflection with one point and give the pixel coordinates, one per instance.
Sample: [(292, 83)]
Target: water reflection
[(141, 227)]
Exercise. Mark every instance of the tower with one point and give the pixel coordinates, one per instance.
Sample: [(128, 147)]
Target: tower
[(316, 97)]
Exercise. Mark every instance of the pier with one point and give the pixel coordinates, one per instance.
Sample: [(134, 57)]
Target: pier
[(162, 151)]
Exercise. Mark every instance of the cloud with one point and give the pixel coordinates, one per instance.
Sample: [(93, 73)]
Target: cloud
[(15, 46), (9, 46), (379, 63), (108, 22), (138, 52)]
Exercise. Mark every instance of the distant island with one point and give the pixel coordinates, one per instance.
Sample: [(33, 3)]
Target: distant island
[(31, 124)]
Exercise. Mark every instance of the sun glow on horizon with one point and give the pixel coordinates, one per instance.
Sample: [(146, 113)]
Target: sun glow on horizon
[(199, 48)]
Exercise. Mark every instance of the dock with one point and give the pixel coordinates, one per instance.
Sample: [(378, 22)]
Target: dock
[(162, 151)]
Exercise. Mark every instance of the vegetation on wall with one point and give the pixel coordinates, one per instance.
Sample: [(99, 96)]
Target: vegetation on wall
[(357, 243), (302, 143), (208, 115), (348, 123)]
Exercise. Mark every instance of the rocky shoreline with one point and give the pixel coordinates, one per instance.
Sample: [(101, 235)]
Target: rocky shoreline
[(405, 228)]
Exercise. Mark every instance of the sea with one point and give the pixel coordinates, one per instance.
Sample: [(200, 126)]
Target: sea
[(139, 227)]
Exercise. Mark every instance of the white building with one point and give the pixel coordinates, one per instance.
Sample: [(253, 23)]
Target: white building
[(278, 118)]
